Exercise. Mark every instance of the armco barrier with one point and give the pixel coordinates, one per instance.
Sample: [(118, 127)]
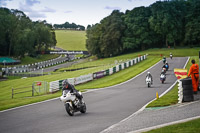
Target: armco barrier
[(83, 78), (56, 85), (98, 75)]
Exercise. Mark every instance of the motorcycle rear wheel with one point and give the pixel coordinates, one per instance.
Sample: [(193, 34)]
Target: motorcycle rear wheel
[(69, 109)]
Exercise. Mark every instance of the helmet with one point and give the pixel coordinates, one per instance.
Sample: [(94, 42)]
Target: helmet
[(64, 83), (148, 72)]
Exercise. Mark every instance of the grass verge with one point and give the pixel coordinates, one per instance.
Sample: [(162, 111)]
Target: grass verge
[(186, 127)]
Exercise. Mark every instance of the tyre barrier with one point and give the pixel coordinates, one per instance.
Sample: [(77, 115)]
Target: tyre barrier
[(187, 90)]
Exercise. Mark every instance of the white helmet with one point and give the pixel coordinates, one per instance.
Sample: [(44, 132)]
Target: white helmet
[(148, 72)]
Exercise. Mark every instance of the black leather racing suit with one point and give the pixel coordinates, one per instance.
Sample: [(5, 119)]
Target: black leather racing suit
[(72, 89)]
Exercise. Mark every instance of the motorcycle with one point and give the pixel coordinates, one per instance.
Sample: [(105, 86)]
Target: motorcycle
[(72, 103), (162, 78), (171, 56), (164, 60), (164, 69), (148, 81), (167, 67)]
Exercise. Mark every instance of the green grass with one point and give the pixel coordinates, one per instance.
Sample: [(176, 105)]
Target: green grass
[(71, 40), (6, 86), (168, 99), (186, 127), (30, 60)]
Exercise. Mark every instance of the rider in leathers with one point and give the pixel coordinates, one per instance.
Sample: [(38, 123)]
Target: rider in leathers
[(150, 76), (71, 88)]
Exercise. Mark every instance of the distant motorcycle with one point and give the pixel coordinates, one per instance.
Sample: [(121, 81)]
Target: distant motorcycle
[(164, 69), (148, 81), (72, 103), (167, 66), (171, 56), (162, 78)]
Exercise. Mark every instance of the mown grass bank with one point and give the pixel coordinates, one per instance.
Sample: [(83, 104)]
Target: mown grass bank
[(71, 40)]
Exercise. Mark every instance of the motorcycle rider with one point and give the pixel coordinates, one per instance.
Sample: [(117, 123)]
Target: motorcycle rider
[(150, 76), (166, 66), (71, 88), (163, 73), (171, 55), (164, 59)]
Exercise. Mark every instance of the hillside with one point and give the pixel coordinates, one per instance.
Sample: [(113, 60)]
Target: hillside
[(71, 40)]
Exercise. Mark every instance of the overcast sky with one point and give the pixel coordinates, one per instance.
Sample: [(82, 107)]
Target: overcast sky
[(82, 12)]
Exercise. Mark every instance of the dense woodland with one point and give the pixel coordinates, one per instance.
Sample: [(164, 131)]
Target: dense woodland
[(20, 36), (67, 25), (170, 23)]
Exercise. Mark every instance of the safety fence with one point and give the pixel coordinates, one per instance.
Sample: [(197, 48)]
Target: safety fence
[(35, 66), (37, 88), (57, 85)]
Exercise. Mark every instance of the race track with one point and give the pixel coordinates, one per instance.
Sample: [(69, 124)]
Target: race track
[(105, 107)]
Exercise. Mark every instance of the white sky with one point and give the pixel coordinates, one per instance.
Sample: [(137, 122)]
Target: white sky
[(82, 12)]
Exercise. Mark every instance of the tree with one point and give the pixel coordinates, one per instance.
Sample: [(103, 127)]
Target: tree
[(192, 28), (105, 39), (112, 28), (92, 42), (138, 34), (166, 20), (20, 36)]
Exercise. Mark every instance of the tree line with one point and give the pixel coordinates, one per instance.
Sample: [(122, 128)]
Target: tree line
[(67, 25), (19, 36), (168, 23)]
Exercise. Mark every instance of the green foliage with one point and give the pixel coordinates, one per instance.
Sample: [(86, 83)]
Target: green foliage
[(20, 36), (138, 34), (192, 28), (171, 23), (105, 39), (67, 25)]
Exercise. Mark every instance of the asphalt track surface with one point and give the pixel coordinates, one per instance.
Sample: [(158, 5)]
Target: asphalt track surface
[(105, 107)]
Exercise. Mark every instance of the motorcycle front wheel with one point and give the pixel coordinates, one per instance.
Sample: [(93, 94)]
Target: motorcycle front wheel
[(148, 85), (83, 108), (69, 109)]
